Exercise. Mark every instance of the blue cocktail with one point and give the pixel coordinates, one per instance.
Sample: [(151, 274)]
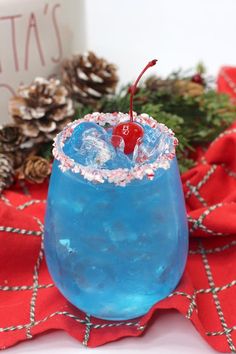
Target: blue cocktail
[(116, 233)]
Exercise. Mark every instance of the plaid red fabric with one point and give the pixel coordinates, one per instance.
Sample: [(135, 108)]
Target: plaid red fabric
[(227, 81), (31, 304)]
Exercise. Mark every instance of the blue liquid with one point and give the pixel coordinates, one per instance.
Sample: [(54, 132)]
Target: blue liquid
[(113, 251)]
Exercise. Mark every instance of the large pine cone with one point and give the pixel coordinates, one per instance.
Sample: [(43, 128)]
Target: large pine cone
[(6, 172), (41, 109), (89, 78)]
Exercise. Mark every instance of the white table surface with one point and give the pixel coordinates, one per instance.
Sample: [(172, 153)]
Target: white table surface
[(169, 333)]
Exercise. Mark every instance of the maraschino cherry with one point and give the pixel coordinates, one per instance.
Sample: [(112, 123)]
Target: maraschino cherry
[(130, 131)]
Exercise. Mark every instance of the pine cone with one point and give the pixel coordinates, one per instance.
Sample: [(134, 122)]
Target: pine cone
[(89, 78), (6, 172), (18, 157), (188, 88), (11, 138), (14, 144), (35, 169), (163, 86), (41, 109), (179, 87)]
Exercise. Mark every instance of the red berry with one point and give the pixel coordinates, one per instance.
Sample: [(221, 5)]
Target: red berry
[(197, 78), (130, 132)]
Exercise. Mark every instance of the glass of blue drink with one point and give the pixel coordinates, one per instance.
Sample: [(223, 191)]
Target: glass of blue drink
[(116, 234)]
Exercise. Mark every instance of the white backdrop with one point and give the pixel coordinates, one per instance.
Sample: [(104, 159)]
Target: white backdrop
[(179, 33)]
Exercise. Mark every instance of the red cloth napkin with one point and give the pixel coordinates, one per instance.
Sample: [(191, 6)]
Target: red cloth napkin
[(31, 304), (227, 81)]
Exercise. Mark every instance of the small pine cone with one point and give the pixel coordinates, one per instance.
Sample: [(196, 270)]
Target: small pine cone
[(14, 144), (188, 88), (11, 138), (41, 109), (6, 172), (89, 78), (35, 169), (164, 86), (18, 157)]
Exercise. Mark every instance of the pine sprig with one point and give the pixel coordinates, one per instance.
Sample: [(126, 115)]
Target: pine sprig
[(185, 101), (196, 113)]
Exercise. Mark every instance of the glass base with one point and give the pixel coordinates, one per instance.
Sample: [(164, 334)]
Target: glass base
[(113, 251)]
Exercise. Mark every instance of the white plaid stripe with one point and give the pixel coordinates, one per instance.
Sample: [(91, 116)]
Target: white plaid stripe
[(225, 133), (181, 293), (192, 305), (216, 289), (35, 283), (216, 298), (216, 249), (192, 298), (88, 325), (57, 313), (199, 221), (30, 202), (225, 168), (22, 206), (17, 230), (24, 287), (194, 189), (205, 179), (221, 333), (5, 200), (228, 171), (204, 228), (73, 317), (229, 81)]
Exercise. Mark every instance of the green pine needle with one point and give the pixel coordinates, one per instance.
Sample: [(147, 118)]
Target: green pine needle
[(196, 120)]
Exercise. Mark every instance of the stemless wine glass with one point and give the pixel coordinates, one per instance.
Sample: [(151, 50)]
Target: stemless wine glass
[(116, 240)]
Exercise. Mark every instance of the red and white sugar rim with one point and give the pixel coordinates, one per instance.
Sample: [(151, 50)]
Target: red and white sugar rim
[(119, 176)]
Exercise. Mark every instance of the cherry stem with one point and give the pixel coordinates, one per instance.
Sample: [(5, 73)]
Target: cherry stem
[(134, 86)]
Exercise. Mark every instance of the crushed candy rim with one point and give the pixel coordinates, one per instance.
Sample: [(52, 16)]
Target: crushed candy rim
[(120, 176)]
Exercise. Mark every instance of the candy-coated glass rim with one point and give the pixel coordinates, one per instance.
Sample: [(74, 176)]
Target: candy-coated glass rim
[(120, 176)]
